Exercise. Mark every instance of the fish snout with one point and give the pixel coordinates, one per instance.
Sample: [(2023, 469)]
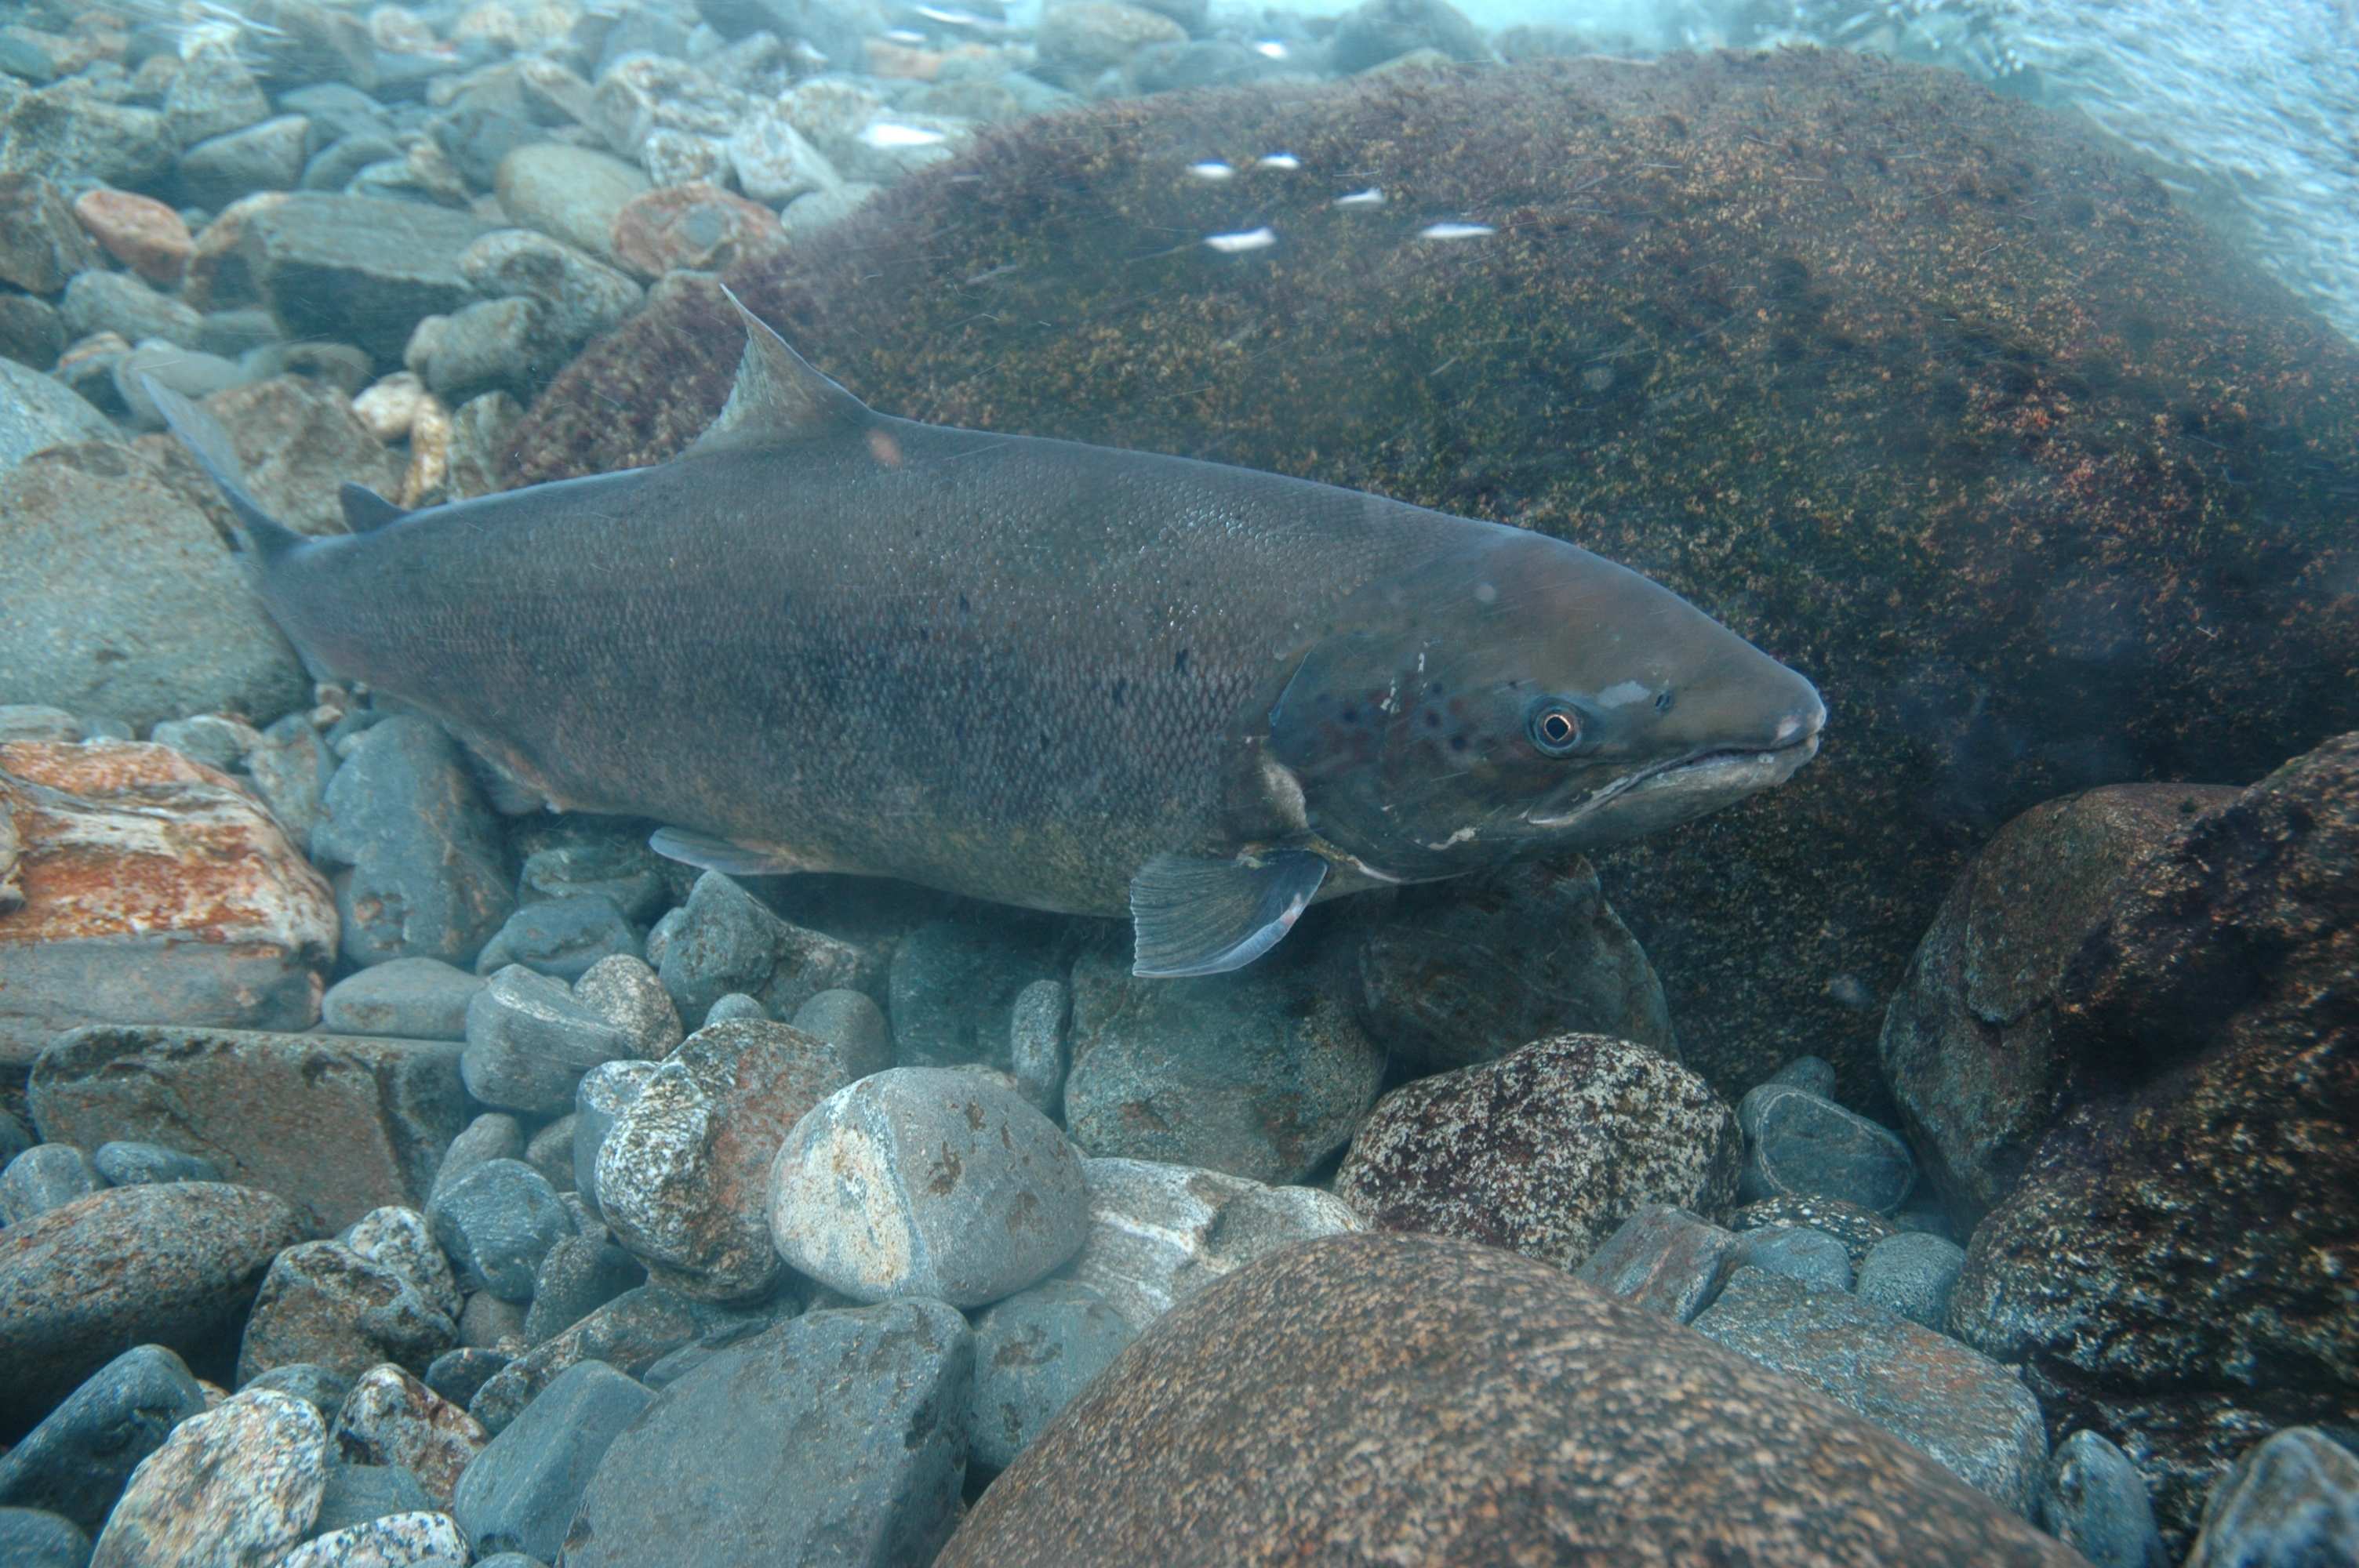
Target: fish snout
[(1804, 721)]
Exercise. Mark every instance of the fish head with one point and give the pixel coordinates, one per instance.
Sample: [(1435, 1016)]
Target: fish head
[(1522, 693)]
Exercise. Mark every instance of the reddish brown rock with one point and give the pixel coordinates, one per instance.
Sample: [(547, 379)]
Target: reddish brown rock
[(139, 231), (1413, 1398), (1547, 1150), (694, 225), (148, 889)]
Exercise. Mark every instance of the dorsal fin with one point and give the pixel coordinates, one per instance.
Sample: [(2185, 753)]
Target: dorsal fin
[(777, 397), (364, 509)]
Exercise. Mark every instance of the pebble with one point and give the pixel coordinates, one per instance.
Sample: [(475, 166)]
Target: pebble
[(2097, 1504), (521, 1491), (1912, 1274), (140, 232), (570, 194), (487, 1323), (1033, 1352), (1262, 1072), (403, 1240), (391, 1417), (32, 721), (128, 1164), (1802, 1145), (581, 1274), (268, 156), (237, 1486), (774, 163), (924, 1182), (683, 1175), (696, 226), (580, 296), (41, 245), (1160, 1233), (102, 301), (491, 345), (32, 1538), (36, 413), (1964, 1410), (297, 439), (631, 876), (215, 740), (816, 211), (560, 937), (174, 1265), (529, 1041), (498, 1222), (851, 1022), (323, 1304), (1037, 1044), (459, 1374), (356, 269), (429, 876), (550, 1152), (1857, 1228), (1797, 1252), (1082, 38), (2292, 1501), (954, 984), (1814, 1074), (67, 132), (725, 940), (338, 1124), (495, 1135), (1665, 1261), (415, 998), (289, 771), (46, 1177), (840, 1435), (630, 1333), (322, 1389), (626, 993), (1545, 1150), (424, 1540), (737, 1004), (604, 1092), (356, 1494), (213, 93), (76, 1462)]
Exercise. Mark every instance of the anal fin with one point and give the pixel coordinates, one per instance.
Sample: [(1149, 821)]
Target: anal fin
[(710, 852), (1193, 916)]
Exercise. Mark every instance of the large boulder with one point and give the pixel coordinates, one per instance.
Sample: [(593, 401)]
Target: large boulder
[(1923, 388), (2173, 1269), (1418, 1398)]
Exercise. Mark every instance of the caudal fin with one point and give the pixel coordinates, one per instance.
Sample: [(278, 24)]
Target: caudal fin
[(266, 536)]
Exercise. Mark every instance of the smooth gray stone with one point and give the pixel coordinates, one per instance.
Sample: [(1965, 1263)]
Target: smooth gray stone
[(853, 1024), (267, 157), (36, 412), (520, 1493), (1800, 1144), (322, 1388), (1033, 1352), (46, 1177), (13, 1138), (581, 1274), (75, 1463), (560, 937), (69, 134), (2292, 1501), (1037, 1044), (492, 345), (356, 1494), (209, 738), (954, 985), (127, 1165), (31, 1539), (2097, 1505), (839, 1436), (1664, 1260), (337, 110), (737, 1004), (630, 1333), (459, 1375), (627, 993), (358, 269), (290, 771), (624, 869), (103, 301), (1797, 1251), (498, 1222), (1815, 1073), (333, 167), (31, 721), (529, 1041), (583, 295), (550, 1152), (414, 998), (495, 1135), (31, 336), (1912, 1274)]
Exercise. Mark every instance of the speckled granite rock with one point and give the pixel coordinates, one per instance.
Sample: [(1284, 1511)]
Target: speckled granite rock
[(2207, 1162), (391, 1417), (175, 1264), (323, 1304), (1403, 1397), (1546, 1151), (420, 1540), (237, 1486), (338, 1124), (1857, 1228)]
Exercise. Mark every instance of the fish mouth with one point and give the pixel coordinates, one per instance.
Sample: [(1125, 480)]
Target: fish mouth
[(1727, 772)]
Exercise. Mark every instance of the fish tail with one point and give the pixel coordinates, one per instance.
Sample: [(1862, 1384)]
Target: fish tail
[(267, 538)]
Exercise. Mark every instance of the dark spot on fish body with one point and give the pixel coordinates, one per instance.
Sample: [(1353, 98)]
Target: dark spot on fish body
[(1179, 663), (1121, 689)]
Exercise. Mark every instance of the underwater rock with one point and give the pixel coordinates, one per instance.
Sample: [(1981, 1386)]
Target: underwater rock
[(1038, 1047), (1912, 1274), (1545, 1152), (630, 1333), (322, 1305), (1798, 1252), (1970, 1041), (1928, 1389), (140, 232), (46, 1177), (337, 1124), (41, 245), (76, 1462), (239, 1484), (627, 994), (495, 1135), (572, 194), (100, 301), (2097, 1505), (174, 1265), (356, 1494), (1403, 1396), (127, 1163), (2092, 399), (36, 413), (603, 1095), (498, 1222), (267, 157), (851, 1023), (315, 1386), (582, 1273), (416, 998), (1033, 1352), (213, 93), (725, 940), (1376, 31), (953, 984), (1468, 971), (1800, 1144), (1857, 1228), (123, 599), (419, 1539), (1080, 37), (530, 1040), (695, 226), (839, 1435), (521, 1491), (580, 297), (391, 1417), (1664, 1260), (1160, 1233), (356, 269), (2293, 1499), (298, 441), (402, 1239), (923, 1182), (69, 133), (1262, 1072), (33, 1537), (2205, 1160)]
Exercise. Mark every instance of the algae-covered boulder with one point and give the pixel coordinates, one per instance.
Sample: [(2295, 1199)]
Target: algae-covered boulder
[(1921, 388)]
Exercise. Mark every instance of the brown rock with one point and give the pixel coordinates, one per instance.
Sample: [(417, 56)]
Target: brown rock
[(149, 888), (391, 1417), (339, 1124), (1547, 1150), (172, 1263), (139, 231), (1423, 1399), (2174, 1269), (296, 440), (219, 275), (695, 225), (1968, 1043), (41, 247)]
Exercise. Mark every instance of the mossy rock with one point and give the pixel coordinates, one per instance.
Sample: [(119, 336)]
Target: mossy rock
[(1918, 387)]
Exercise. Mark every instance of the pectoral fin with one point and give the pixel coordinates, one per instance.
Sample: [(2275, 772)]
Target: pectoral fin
[(364, 509), (1204, 917), (710, 852)]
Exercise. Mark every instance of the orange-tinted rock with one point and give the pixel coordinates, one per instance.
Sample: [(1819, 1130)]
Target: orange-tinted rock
[(909, 62), (153, 891), (138, 231), (694, 225)]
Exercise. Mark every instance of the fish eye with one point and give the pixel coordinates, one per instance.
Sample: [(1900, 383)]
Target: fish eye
[(1554, 726)]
